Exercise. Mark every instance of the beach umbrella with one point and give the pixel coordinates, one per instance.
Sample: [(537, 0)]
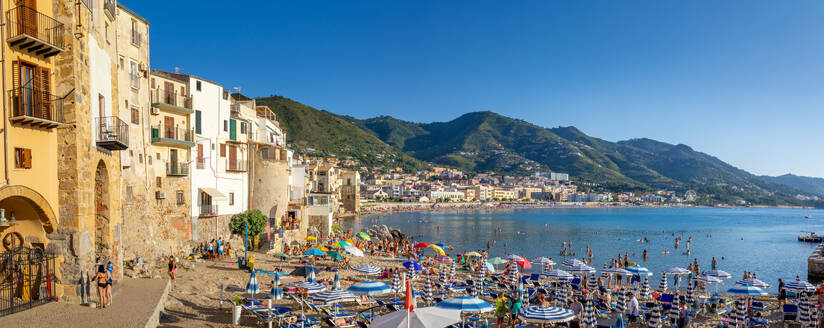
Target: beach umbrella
[(452, 267), (438, 250), (593, 282), (746, 291), (252, 285), (512, 257), (616, 271), (637, 270), (707, 279), (472, 254), (655, 317), (524, 264), (310, 238), (562, 294), (604, 274), (428, 317), (645, 288), (620, 302), (676, 271), (371, 288), (323, 248), (752, 282), (442, 245), (543, 260), (589, 320), (396, 282), (428, 288), (410, 274), (545, 314), (663, 285), (496, 261), (354, 251), (335, 255), (740, 310), (282, 256), (364, 236), (311, 287), (570, 262), (368, 269), (420, 245), (465, 304), (337, 281), (691, 292), (412, 265), (488, 267), (277, 292), (803, 311), (674, 312), (799, 286), (333, 297), (558, 275), (443, 258), (314, 252), (583, 268), (514, 275), (718, 274), (342, 244), (304, 271)]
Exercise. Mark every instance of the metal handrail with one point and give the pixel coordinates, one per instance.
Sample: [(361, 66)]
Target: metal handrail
[(208, 209), (179, 169), (170, 97), (112, 128), (175, 133), (22, 20), (33, 102)]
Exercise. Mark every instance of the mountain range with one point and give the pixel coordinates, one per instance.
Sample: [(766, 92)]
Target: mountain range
[(490, 142)]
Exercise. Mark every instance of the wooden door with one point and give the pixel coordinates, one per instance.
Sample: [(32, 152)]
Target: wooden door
[(28, 95), (169, 93), (173, 157), (232, 157), (169, 127)]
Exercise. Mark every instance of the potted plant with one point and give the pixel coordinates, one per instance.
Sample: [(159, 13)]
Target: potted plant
[(236, 310)]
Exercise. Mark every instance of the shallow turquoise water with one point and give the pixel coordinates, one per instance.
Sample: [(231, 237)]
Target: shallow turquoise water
[(758, 240)]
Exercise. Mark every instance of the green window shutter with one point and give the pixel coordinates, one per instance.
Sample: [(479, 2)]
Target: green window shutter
[(242, 127), (197, 121), (232, 129)]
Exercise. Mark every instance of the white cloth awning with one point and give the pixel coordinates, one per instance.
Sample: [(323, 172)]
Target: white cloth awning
[(216, 194)]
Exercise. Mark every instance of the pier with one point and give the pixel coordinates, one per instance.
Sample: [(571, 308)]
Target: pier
[(815, 263)]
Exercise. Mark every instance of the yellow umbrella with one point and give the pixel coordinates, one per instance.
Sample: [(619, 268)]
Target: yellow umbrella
[(336, 244), (323, 248), (310, 238), (437, 249)]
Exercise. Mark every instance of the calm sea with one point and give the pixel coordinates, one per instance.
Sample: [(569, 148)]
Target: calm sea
[(763, 241)]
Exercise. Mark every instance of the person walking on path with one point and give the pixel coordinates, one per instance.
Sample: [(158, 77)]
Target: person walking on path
[(102, 279), (172, 268), (110, 269)]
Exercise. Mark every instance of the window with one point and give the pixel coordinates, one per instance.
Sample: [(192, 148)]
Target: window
[(231, 198), (197, 121), (153, 83), (140, 158), (134, 77), (242, 127), (159, 182), (135, 38), (135, 116), (180, 199), (198, 85), (158, 156), (222, 150), (225, 94), (22, 158), (225, 125)]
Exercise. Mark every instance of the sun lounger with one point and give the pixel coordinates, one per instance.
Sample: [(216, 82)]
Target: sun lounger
[(790, 312), (757, 306)]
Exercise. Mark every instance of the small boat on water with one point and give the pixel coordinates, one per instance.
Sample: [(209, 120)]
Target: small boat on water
[(808, 217), (810, 237)]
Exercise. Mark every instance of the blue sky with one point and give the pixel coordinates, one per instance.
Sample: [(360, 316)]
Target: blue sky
[(740, 80)]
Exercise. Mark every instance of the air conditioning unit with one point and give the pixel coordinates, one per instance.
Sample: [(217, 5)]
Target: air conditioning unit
[(142, 67), (160, 194), (155, 111)]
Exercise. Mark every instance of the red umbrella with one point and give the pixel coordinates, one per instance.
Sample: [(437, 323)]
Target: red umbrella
[(421, 245), (408, 300), (524, 264)]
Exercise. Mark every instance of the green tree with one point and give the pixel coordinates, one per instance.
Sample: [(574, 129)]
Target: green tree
[(256, 219)]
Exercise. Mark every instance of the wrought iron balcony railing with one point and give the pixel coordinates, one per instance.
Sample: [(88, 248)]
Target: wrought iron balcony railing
[(179, 169), (208, 210), (34, 32), (170, 97), (112, 133), (35, 107)]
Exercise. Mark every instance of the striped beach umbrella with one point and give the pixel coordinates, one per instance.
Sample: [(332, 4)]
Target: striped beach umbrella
[(691, 292), (277, 292), (452, 268), (396, 282), (479, 281), (746, 291), (720, 274), (799, 286), (512, 257), (558, 275), (654, 317), (593, 282), (589, 319), (752, 282), (371, 288), (637, 270), (616, 271), (412, 266), (676, 301), (803, 311), (562, 294), (513, 275), (410, 275), (663, 285), (428, 288), (465, 304), (571, 262), (620, 302), (740, 311), (676, 271), (645, 293), (707, 279), (252, 285), (546, 314), (583, 268), (334, 296), (311, 287), (604, 275), (368, 269)]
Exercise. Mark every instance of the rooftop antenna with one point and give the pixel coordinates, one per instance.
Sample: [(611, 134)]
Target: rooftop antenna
[(178, 70), (237, 89)]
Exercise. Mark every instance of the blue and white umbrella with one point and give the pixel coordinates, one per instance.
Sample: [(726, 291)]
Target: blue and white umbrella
[(277, 292), (546, 314), (396, 282), (543, 260), (337, 281), (371, 288), (334, 296), (589, 319), (593, 282), (803, 311), (620, 302), (571, 262), (663, 285), (637, 270), (718, 274), (645, 293), (512, 257), (452, 268), (514, 275), (252, 285), (799, 286), (558, 275), (412, 265), (616, 271), (674, 312), (740, 311), (691, 292), (465, 304), (707, 279), (746, 291), (583, 268), (752, 282), (676, 271), (562, 294), (311, 287), (368, 269), (429, 288), (654, 317)]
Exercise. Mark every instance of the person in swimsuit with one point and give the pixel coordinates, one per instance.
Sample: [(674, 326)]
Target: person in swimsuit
[(172, 267), (102, 278), (110, 270)]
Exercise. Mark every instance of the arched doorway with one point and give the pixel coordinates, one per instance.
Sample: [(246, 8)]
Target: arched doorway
[(30, 218), (102, 231)]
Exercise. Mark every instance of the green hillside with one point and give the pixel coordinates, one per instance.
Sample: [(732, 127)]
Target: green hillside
[(808, 184)]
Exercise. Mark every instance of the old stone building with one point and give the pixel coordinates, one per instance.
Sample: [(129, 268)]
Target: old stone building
[(89, 228)]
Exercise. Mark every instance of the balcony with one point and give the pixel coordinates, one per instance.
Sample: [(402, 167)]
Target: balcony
[(234, 110), (134, 81), (172, 137), (31, 31), (171, 101), (236, 165), (177, 170), (109, 8), (36, 108), (112, 133), (208, 210)]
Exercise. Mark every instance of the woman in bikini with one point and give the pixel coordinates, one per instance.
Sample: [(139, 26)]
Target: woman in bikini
[(102, 278), (172, 267)]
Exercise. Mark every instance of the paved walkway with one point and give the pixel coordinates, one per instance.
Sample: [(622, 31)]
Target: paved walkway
[(134, 304)]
